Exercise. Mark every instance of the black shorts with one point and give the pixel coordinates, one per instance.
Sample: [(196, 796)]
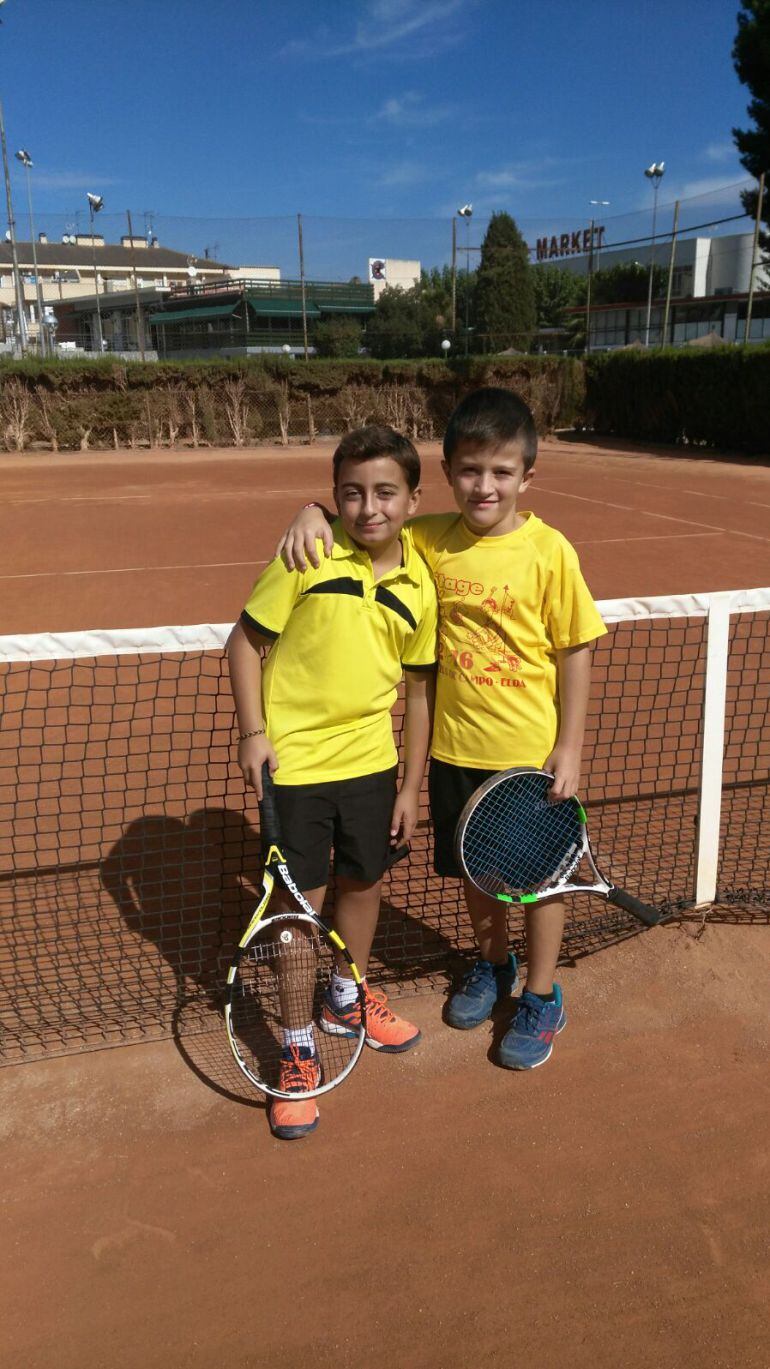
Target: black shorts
[(350, 817), (450, 787)]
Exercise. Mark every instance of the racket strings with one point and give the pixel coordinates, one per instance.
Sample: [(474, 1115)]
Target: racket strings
[(515, 841), (277, 1000)]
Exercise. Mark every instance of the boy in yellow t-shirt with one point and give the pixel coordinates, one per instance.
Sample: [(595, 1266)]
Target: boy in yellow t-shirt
[(516, 625)]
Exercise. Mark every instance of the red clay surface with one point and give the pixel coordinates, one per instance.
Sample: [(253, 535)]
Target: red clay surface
[(609, 1211), (126, 539)]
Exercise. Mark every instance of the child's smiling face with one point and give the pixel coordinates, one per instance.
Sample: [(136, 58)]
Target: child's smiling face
[(374, 500), (486, 483)]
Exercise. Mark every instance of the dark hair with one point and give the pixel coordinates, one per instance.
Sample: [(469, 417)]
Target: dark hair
[(491, 417), (366, 444)]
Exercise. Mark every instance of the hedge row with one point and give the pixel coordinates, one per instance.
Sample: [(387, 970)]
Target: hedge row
[(718, 398), (105, 402), (691, 397)]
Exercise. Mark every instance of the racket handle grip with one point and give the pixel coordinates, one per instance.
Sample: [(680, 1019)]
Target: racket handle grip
[(270, 827), (649, 916)]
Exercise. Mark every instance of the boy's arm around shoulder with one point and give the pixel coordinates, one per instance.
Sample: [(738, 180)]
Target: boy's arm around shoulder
[(299, 543)]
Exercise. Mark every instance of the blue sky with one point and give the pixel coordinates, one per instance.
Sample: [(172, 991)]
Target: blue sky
[(368, 111)]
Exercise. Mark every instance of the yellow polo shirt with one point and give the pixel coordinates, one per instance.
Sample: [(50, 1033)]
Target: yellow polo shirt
[(506, 606), (341, 642)]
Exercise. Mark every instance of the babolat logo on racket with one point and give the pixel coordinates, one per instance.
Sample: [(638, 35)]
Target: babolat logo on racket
[(292, 888)]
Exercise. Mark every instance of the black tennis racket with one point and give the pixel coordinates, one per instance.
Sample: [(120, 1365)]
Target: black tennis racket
[(278, 977), (517, 847)]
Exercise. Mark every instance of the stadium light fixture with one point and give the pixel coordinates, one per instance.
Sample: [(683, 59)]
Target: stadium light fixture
[(95, 203), (654, 173), (23, 156)]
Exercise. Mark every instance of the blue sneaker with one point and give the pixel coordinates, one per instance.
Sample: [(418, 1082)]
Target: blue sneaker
[(483, 986), (529, 1040)]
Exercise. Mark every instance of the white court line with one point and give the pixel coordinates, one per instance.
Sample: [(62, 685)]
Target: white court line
[(667, 517), (130, 570), (653, 537)]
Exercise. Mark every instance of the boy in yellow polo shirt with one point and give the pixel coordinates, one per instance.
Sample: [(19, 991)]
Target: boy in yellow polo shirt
[(516, 626), (319, 713)]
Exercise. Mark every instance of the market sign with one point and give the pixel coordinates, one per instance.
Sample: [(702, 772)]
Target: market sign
[(569, 244)]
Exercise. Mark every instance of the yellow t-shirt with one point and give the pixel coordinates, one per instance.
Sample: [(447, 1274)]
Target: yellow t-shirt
[(506, 605), (341, 643)]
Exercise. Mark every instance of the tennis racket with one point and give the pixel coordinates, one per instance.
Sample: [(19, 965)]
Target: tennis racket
[(279, 974), (517, 847)]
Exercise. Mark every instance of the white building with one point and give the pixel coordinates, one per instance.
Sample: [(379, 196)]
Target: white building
[(709, 290), (393, 272)]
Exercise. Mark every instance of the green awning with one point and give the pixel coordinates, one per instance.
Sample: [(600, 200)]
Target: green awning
[(183, 315), (346, 308), (283, 308)]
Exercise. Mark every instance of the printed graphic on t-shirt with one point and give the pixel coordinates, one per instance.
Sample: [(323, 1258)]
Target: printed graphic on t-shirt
[(477, 633)]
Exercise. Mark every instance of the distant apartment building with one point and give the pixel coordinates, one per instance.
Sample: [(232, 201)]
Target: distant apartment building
[(73, 269)]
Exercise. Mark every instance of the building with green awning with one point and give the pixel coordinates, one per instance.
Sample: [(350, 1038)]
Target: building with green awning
[(245, 317)]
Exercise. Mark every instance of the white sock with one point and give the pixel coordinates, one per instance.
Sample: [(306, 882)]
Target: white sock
[(299, 1036), (343, 991)]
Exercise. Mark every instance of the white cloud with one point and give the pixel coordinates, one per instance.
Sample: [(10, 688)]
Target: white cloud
[(72, 180), (385, 24), (411, 111), (403, 174), (711, 189), (720, 152), (524, 175)]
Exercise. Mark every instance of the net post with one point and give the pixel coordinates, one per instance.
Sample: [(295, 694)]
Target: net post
[(712, 760)]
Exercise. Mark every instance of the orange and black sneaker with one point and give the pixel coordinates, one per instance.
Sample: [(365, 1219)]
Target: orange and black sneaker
[(299, 1073), (384, 1030)]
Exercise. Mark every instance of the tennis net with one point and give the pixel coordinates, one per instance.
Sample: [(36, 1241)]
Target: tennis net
[(129, 852)]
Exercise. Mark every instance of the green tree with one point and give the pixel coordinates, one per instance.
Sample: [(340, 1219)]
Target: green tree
[(627, 283), (556, 291), (751, 57), (505, 314), (397, 325), (337, 337)]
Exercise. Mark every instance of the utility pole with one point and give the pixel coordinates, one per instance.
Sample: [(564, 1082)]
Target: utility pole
[(137, 301), (757, 221), (670, 273), (454, 277), (22, 322), (302, 283)]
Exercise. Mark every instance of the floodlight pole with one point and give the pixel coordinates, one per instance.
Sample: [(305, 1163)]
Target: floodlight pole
[(19, 292), (757, 221), (655, 176), (41, 334), (99, 338)]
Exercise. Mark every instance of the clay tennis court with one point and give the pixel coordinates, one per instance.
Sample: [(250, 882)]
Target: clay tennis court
[(608, 1210)]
